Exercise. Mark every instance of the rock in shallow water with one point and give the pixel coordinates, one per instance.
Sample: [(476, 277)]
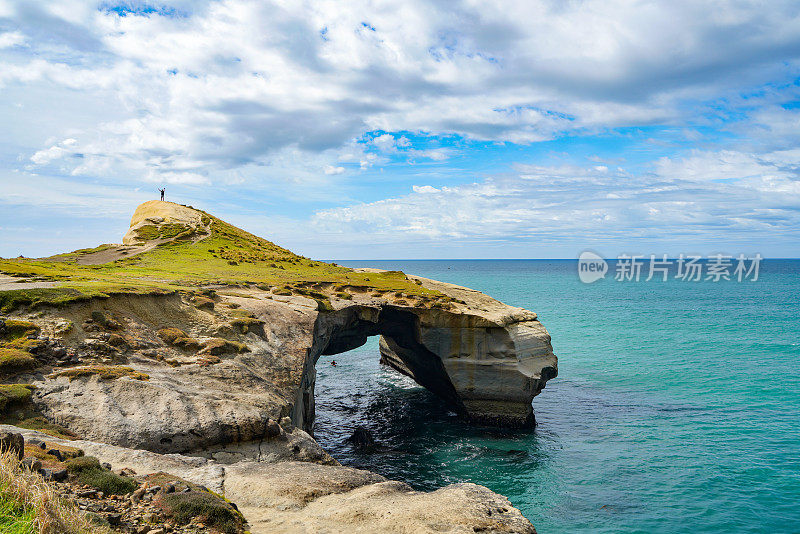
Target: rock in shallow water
[(362, 439)]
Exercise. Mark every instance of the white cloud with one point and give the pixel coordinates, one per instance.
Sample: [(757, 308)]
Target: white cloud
[(252, 93), (425, 189), (699, 195), (245, 80), (9, 39), (45, 156), (387, 143), (330, 169)]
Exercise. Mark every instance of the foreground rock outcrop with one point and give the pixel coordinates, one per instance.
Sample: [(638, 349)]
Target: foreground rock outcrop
[(291, 497), (218, 365)]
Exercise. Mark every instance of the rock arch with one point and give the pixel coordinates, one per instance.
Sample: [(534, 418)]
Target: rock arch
[(488, 367)]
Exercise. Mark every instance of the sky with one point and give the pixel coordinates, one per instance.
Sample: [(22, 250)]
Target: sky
[(407, 129)]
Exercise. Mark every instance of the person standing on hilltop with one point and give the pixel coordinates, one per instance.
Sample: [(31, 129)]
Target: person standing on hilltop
[(162, 193)]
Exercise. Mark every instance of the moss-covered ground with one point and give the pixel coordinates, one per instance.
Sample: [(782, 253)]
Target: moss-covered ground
[(190, 501), (89, 472), (227, 255), (104, 372)]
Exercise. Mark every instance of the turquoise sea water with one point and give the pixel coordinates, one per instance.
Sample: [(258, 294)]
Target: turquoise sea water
[(676, 408)]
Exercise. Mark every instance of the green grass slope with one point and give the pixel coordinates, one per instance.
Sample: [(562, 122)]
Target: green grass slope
[(214, 253)]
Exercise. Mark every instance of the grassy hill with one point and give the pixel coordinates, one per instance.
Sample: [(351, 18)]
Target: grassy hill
[(178, 248)]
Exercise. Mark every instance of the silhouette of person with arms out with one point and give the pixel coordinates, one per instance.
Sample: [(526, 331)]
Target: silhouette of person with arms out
[(162, 193)]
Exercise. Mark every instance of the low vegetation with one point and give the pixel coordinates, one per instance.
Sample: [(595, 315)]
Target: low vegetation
[(190, 501), (16, 328), (89, 471), (217, 345), (211, 509), (14, 395), (178, 338), (28, 505), (14, 361), (104, 372), (226, 256)]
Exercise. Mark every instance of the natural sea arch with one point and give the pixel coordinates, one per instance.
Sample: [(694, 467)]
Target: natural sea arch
[(487, 371)]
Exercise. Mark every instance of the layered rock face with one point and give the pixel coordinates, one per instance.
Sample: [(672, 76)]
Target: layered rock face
[(487, 359), (488, 367), (156, 221)]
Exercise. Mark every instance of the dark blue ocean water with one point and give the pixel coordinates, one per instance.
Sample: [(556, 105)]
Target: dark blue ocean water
[(676, 408)]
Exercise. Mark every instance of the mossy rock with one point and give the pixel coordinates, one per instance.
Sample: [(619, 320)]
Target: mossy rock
[(104, 372), (188, 343), (169, 335), (324, 305), (203, 303), (14, 395), (217, 346), (161, 478), (116, 340), (100, 318), (24, 344), (211, 509), (17, 410), (33, 420), (34, 451), (16, 328), (178, 338), (245, 324), (208, 360), (67, 452), (13, 361), (88, 470)]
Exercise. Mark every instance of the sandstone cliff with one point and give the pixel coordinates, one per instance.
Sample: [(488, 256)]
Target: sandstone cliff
[(194, 337)]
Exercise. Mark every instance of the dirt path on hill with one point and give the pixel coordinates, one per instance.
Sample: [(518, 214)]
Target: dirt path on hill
[(8, 283)]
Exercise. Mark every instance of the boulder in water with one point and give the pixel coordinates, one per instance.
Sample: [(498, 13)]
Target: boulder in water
[(362, 439)]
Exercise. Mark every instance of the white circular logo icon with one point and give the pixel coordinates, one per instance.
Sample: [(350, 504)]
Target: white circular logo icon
[(591, 267)]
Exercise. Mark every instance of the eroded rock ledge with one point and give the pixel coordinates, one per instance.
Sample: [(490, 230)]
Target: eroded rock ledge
[(290, 497), (487, 359)]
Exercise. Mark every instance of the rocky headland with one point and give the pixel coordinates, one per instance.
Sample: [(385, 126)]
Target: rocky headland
[(190, 349)]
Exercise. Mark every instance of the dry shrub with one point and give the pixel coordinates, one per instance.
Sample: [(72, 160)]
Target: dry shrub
[(51, 514)]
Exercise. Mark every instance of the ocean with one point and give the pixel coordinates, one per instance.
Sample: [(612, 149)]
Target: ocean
[(676, 408)]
